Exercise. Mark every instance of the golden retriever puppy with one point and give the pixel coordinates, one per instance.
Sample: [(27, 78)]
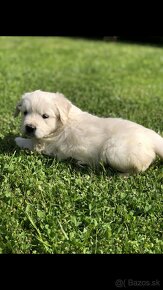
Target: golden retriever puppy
[(56, 127)]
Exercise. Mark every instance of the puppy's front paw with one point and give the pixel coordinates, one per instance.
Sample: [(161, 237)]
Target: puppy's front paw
[(19, 141), (23, 143)]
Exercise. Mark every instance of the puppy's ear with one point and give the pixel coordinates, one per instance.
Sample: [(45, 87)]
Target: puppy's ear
[(17, 109), (18, 106), (63, 107)]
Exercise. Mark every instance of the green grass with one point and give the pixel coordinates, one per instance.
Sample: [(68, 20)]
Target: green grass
[(48, 206)]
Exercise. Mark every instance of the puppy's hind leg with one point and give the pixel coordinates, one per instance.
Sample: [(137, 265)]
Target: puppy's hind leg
[(129, 157), (24, 143)]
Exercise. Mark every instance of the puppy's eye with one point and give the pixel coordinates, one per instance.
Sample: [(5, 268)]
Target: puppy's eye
[(25, 113), (45, 116)]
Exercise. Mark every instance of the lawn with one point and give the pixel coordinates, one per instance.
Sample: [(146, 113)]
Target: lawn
[(48, 206)]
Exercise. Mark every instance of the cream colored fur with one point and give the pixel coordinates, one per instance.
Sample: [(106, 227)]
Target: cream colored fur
[(70, 132)]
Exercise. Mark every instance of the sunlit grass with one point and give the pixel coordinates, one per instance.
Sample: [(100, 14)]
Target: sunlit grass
[(54, 207)]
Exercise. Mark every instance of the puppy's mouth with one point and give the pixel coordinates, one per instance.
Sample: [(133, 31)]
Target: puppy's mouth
[(34, 135)]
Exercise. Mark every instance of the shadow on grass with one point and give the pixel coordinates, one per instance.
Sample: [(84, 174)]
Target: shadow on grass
[(146, 42), (72, 165), (156, 41), (8, 145)]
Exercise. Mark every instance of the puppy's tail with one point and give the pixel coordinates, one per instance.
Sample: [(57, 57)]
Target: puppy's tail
[(158, 144)]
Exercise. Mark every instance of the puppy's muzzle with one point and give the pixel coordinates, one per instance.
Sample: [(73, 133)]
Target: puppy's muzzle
[(30, 129)]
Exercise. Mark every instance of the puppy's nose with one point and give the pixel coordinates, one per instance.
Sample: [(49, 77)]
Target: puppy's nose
[(30, 128)]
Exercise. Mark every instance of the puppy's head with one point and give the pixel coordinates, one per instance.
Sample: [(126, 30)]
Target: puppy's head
[(42, 113)]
